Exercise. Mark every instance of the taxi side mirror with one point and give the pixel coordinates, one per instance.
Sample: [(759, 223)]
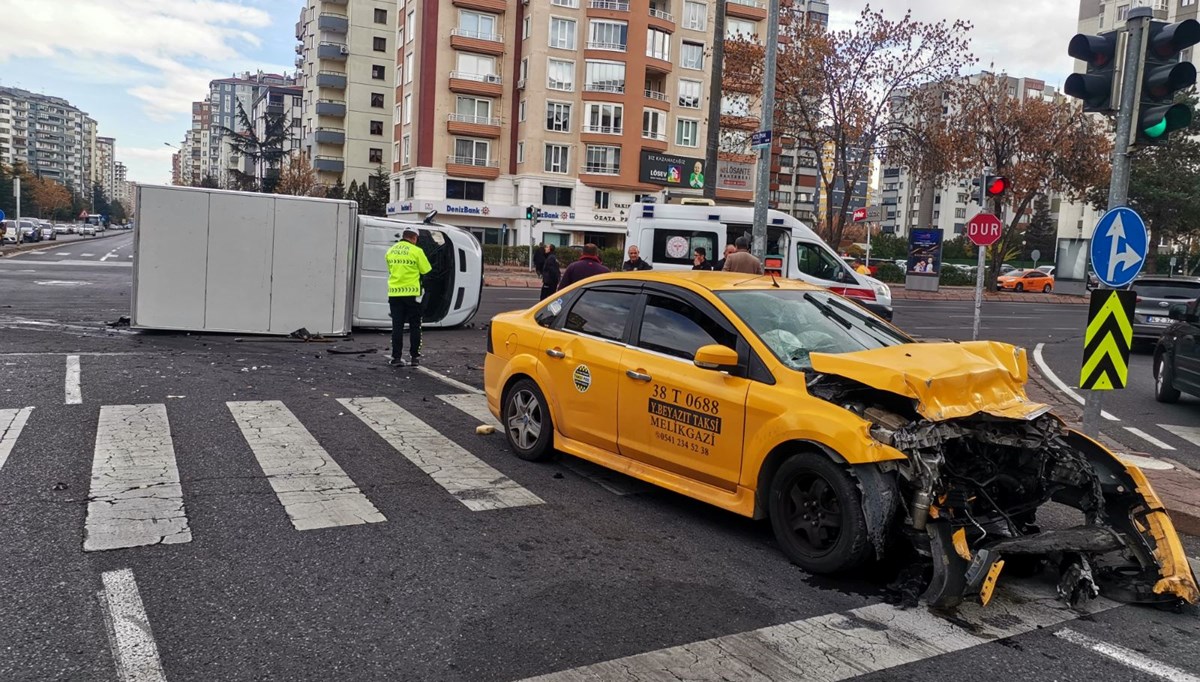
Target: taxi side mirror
[(716, 357)]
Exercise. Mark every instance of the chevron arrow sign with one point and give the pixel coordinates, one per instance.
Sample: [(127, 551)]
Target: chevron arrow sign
[(1107, 341)]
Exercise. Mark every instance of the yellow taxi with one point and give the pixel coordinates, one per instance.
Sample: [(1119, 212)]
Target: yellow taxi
[(1026, 280), (778, 400)]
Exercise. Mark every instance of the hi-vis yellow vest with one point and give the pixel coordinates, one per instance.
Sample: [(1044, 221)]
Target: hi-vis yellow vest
[(406, 263)]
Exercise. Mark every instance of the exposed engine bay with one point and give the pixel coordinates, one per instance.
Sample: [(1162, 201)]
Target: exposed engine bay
[(968, 493)]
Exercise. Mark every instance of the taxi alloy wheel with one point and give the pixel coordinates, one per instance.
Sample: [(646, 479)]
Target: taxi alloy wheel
[(1164, 391), (1046, 289), (1019, 287), (816, 513), (527, 422)]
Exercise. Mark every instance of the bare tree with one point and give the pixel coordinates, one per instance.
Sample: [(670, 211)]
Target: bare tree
[(297, 177)]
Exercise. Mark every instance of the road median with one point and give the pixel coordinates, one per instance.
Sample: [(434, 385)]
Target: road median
[(50, 244)]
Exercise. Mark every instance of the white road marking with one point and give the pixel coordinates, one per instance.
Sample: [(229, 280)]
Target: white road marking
[(1049, 373), (135, 497), (465, 476), (1127, 657), (109, 264), (11, 424), (110, 254), (1148, 438), (453, 382), (62, 253), (87, 255), (314, 490), (839, 646), (1189, 433), (1144, 462), (129, 635), (475, 405), (74, 394)]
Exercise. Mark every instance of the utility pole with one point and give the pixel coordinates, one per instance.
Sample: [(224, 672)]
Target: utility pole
[(762, 188), (712, 134), (1118, 189)]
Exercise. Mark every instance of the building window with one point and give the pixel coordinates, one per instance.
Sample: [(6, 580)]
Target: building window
[(608, 35), (521, 152), (464, 189), (602, 200), (558, 117), (407, 109), (556, 196), (396, 155), (740, 29), (477, 65), (376, 127), (695, 15), (687, 132), (377, 100), (560, 75), (605, 76), (379, 44), (477, 25), (605, 118), (526, 27), (471, 152), (557, 156), (960, 213), (692, 56), (572, 4), (409, 187), (472, 109), (1122, 12), (400, 36), (654, 124), (380, 16), (408, 67), (375, 155), (295, 122), (521, 111), (603, 160), (562, 33), (735, 105), (377, 72), (658, 44), (689, 94), (410, 23), (405, 149)]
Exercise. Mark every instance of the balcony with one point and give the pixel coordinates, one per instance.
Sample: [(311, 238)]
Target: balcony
[(335, 2), (658, 62), (609, 5), (325, 135), (480, 84), (602, 168), (474, 41), (333, 51), (604, 130), (473, 126), (753, 10), (491, 6), (329, 164), (472, 167), (662, 19), (333, 22), (331, 79), (612, 88), (610, 47), (654, 140), (657, 95), (331, 107)]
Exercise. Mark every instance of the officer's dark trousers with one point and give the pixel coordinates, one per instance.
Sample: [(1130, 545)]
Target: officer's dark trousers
[(405, 309)]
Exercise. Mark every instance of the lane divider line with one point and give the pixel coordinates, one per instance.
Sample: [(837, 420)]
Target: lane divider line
[(1059, 383), (1148, 438), (11, 424), (1127, 657), (453, 382), (74, 394), (129, 635)]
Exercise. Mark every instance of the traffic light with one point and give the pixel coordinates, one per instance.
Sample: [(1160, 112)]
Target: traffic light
[(1095, 87), (993, 186), (529, 213), (1163, 75)]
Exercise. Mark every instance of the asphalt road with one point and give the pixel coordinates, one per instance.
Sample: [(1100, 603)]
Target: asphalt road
[(558, 566)]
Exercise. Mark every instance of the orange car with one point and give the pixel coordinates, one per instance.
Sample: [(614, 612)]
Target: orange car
[(1026, 280)]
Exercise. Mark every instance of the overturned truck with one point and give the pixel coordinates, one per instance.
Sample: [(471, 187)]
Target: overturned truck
[(974, 461)]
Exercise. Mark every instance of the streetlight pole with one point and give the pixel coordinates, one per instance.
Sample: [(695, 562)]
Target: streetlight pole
[(762, 187)]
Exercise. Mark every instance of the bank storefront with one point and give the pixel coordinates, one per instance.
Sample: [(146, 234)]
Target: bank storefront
[(490, 223), (574, 228)]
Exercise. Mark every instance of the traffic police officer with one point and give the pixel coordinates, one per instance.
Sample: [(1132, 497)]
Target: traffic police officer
[(406, 265)]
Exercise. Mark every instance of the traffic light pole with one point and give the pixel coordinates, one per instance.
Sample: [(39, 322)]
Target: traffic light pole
[(979, 277), (762, 189), (1118, 188)]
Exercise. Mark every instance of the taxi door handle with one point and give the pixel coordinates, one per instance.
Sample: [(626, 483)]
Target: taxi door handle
[(637, 376), (555, 353)]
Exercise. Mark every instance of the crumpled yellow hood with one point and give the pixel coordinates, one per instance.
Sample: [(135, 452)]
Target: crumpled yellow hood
[(948, 380)]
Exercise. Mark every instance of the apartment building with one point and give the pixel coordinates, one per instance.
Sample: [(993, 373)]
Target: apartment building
[(286, 101), (347, 54), (577, 107), (105, 166), (225, 97), (121, 184), (48, 135)]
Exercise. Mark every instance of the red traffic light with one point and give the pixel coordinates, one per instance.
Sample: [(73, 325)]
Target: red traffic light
[(996, 185)]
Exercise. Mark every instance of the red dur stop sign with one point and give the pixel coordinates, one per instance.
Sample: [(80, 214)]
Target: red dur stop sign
[(984, 229)]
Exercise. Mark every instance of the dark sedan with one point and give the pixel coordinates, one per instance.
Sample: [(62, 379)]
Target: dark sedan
[(1155, 296), (1177, 355)]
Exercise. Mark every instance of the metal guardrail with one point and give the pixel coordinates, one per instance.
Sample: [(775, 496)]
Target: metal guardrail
[(464, 33), (477, 120), (472, 161)]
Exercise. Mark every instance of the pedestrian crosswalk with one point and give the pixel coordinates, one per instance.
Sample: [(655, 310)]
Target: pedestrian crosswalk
[(1163, 438)]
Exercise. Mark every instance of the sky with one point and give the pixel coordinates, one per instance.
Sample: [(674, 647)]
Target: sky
[(137, 65)]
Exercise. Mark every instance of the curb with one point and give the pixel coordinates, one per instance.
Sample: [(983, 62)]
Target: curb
[(41, 246)]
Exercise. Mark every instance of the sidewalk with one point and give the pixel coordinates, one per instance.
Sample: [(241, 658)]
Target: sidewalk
[(521, 278)]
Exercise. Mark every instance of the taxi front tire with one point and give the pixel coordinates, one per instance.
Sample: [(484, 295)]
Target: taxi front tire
[(526, 421), (816, 513)]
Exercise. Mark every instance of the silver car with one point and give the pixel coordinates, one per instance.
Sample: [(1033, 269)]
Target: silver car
[(1155, 294)]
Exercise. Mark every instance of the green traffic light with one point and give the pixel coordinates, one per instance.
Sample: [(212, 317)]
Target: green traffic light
[(1156, 130)]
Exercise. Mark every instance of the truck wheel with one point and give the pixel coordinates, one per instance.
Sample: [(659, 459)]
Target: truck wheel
[(816, 513), (1164, 377), (526, 420)]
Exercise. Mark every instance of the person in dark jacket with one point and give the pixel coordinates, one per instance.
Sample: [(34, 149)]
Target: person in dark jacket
[(539, 257), (635, 261), (550, 273), (720, 265), (700, 259), (588, 265)]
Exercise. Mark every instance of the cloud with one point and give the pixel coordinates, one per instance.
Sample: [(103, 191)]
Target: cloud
[(1029, 41)]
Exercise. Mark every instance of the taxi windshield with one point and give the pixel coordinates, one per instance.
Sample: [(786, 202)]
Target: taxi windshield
[(795, 323)]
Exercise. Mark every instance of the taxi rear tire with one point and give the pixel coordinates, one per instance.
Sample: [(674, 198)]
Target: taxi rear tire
[(526, 421), (816, 512)]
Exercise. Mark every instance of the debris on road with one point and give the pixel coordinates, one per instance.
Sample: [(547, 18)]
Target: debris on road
[(485, 430)]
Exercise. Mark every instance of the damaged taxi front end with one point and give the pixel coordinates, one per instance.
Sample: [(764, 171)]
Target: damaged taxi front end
[(979, 461)]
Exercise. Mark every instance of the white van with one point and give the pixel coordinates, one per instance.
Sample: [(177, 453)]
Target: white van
[(667, 234)]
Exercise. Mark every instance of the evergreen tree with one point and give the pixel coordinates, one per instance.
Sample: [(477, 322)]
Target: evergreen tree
[(338, 191)]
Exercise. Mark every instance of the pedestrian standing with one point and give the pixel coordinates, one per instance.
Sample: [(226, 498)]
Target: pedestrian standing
[(635, 261), (720, 265), (407, 264), (742, 260), (700, 259), (539, 257), (588, 265), (550, 273)]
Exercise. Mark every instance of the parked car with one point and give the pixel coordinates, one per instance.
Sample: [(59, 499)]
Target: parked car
[(9, 232), (1176, 364), (1048, 269), (1006, 268), (48, 233), (1155, 296), (59, 228), (87, 230), (30, 231), (1025, 280)]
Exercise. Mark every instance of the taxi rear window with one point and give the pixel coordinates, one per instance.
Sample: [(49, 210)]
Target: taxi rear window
[(602, 313)]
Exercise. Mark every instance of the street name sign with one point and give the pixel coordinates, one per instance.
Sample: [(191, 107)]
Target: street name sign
[(1119, 247), (760, 139), (984, 229), (1107, 341)]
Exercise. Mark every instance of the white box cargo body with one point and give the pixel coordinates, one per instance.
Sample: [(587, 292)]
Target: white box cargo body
[(220, 261)]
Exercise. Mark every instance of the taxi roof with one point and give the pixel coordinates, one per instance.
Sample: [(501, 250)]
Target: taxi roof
[(713, 281)]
